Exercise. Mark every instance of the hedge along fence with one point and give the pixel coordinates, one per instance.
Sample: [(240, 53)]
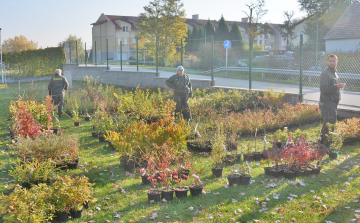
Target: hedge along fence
[(35, 63)]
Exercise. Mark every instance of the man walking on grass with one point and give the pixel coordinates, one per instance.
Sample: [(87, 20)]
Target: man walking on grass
[(330, 96), (57, 87)]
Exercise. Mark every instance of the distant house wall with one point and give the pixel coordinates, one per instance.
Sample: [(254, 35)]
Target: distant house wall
[(342, 45)]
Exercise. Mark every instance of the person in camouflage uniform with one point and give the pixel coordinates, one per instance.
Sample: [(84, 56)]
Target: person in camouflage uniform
[(57, 87), (181, 84), (329, 96)]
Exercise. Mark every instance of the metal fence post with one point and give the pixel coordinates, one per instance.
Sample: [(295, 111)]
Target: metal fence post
[(181, 52), (85, 56), (70, 52), (77, 60), (107, 55), (157, 64), (137, 55), (120, 55), (212, 61), (250, 60), (95, 54), (301, 66)]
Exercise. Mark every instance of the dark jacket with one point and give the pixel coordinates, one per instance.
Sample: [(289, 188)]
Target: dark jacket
[(57, 85), (179, 86), (329, 92)]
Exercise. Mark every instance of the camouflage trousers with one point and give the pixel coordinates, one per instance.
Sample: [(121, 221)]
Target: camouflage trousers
[(59, 100), (182, 105), (329, 115)]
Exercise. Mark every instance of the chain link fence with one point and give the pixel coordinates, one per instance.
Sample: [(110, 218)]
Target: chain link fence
[(268, 68)]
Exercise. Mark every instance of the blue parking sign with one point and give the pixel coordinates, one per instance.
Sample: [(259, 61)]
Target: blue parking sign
[(227, 44)]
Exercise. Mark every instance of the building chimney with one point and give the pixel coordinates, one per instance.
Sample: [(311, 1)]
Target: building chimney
[(244, 20), (195, 17)]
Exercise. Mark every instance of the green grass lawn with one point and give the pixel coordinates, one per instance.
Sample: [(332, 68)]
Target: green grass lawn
[(330, 196)]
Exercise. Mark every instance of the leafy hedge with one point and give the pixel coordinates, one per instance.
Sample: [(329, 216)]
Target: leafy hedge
[(36, 63)]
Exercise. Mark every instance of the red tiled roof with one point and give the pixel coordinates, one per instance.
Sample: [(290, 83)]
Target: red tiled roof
[(348, 25)]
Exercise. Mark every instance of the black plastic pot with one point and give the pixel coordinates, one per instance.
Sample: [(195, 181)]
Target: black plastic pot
[(77, 123), (154, 195), (87, 118), (181, 192), (168, 195), (196, 191), (299, 173), (76, 214), (234, 179), (257, 156), (144, 179), (55, 131), (73, 166), (307, 172), (217, 172), (333, 155), (102, 139), (94, 134), (238, 157), (245, 179), (267, 170), (289, 174), (316, 170), (275, 173), (248, 157), (61, 166), (129, 166), (62, 216)]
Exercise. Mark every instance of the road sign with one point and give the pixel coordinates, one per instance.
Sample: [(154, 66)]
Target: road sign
[(227, 44)]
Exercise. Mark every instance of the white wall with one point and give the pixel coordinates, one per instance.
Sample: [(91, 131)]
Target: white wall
[(342, 45)]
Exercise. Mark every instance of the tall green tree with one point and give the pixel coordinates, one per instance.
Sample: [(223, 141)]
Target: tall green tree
[(194, 36), (209, 29), (222, 32), (165, 19), (72, 39), (326, 21), (316, 6), (188, 45), (235, 35)]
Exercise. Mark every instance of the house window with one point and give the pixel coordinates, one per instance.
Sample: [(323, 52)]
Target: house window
[(125, 41), (125, 29), (260, 42), (134, 41), (119, 40)]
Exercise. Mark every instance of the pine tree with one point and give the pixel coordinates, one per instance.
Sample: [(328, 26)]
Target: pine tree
[(209, 29), (235, 35), (188, 45), (222, 32), (194, 36)]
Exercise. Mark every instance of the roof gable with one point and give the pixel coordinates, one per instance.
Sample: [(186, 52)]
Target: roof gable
[(348, 25)]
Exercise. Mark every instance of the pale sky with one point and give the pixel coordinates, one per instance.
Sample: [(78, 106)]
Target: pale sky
[(49, 21)]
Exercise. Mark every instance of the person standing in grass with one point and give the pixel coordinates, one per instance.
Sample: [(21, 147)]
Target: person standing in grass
[(181, 84), (330, 96), (57, 87)]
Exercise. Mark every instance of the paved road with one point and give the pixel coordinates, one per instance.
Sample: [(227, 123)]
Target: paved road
[(349, 99)]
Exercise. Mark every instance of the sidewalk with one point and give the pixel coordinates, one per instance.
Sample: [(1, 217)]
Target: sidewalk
[(350, 99)]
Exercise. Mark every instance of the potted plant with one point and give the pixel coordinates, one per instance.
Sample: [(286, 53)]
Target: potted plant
[(32, 173), (154, 194), (336, 143), (56, 125), (166, 177), (245, 175), (87, 116), (248, 156), (234, 177), (75, 114), (218, 150), (23, 205), (81, 191), (197, 186)]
